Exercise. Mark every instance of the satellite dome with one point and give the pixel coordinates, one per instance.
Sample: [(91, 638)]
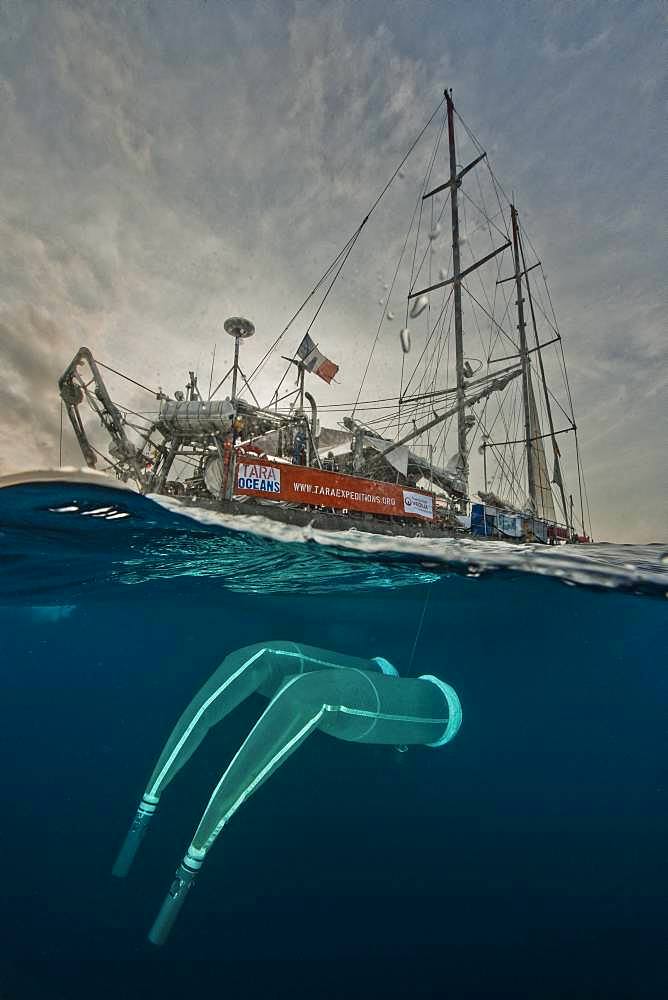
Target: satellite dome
[(237, 326)]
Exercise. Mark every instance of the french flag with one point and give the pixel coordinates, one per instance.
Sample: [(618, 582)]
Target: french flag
[(315, 362)]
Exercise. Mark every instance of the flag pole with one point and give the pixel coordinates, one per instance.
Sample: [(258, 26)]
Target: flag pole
[(301, 386)]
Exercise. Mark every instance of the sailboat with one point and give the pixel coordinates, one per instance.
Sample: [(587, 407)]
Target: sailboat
[(477, 357)]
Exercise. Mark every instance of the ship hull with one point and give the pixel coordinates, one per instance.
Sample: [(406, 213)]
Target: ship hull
[(327, 520)]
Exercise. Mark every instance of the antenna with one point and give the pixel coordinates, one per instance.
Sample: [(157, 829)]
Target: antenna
[(240, 329)]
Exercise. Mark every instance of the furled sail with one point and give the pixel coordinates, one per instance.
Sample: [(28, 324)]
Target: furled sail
[(540, 487)]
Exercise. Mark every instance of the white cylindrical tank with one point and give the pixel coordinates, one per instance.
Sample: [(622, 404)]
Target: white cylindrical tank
[(196, 416)]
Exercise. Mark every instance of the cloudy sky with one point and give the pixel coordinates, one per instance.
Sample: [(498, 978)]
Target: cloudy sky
[(168, 163)]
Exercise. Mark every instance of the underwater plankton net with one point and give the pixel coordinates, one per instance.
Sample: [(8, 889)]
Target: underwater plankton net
[(363, 701)]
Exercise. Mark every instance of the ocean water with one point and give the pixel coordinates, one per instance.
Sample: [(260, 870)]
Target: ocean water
[(525, 858)]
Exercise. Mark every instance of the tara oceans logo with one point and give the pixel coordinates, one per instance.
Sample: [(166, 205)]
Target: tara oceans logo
[(264, 478)]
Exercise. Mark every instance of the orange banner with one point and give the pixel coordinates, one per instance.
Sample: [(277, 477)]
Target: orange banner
[(299, 484)]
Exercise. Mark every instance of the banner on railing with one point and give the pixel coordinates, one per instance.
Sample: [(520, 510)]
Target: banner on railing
[(300, 484)]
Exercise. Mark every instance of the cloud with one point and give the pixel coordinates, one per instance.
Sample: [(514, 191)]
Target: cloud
[(32, 349)]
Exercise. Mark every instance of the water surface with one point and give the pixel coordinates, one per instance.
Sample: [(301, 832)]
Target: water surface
[(527, 855)]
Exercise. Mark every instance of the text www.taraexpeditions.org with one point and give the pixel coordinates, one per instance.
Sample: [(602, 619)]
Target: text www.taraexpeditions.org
[(330, 491)]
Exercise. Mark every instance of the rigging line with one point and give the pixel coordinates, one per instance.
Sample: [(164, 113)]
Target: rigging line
[(408, 399), (443, 342), (419, 628), (505, 474), (112, 465), (60, 449), (429, 338), (417, 237), (496, 180), (315, 316), (483, 212), (345, 249), (518, 414), (488, 218), (546, 317), (579, 468), (475, 433), (427, 253), (410, 412), (435, 361), (136, 427), (418, 203), (357, 232), (567, 381), (385, 407), (477, 324), (552, 323), (498, 264), (401, 382), (494, 336), (126, 377), (479, 277), (365, 402), (430, 398), (437, 439), (447, 424), (497, 415), (495, 188), (410, 150), (431, 383), (555, 447), (542, 272), (417, 390), (509, 463), (213, 361), (489, 315), (515, 469), (425, 184), (508, 474), (135, 413), (584, 483), (569, 416), (549, 299), (501, 463), (476, 142), (433, 396), (331, 284)]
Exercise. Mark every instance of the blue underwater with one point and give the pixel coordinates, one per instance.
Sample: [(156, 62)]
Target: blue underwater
[(527, 857)]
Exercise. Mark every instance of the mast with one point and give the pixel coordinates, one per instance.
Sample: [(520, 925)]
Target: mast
[(454, 183), (524, 361), (557, 475), (300, 377), (240, 329), (235, 366)]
